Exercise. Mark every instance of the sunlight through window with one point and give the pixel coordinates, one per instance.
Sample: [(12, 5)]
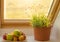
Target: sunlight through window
[(23, 9)]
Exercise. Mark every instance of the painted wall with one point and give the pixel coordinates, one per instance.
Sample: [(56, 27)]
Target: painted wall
[(57, 25)]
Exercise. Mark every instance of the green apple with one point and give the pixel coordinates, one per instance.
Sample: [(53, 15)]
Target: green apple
[(17, 33), (21, 33), (9, 37)]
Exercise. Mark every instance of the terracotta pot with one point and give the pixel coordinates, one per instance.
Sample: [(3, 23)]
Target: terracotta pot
[(42, 33)]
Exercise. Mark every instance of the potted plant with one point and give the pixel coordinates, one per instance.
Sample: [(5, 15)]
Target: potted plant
[(42, 27)]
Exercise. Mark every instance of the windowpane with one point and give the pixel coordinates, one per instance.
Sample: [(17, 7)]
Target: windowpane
[(23, 9)]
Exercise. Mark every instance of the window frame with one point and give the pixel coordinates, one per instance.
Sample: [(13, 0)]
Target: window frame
[(8, 23), (24, 22), (0, 13), (54, 10)]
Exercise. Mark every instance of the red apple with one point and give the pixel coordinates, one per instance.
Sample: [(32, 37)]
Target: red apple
[(5, 36)]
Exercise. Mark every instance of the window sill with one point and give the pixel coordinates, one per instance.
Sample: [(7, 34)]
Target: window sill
[(16, 23)]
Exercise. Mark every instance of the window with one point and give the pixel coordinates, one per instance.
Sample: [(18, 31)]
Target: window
[(23, 9), (14, 10)]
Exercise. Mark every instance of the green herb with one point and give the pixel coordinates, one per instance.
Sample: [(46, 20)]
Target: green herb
[(40, 21)]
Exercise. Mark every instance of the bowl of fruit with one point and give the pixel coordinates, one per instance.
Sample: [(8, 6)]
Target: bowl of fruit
[(16, 35)]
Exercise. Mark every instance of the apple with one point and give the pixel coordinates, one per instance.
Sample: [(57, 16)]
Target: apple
[(9, 37), (21, 33), (16, 33), (12, 33), (22, 37), (5, 36), (15, 39), (18, 39)]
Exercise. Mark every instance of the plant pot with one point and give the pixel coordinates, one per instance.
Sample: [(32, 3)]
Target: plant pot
[(42, 33)]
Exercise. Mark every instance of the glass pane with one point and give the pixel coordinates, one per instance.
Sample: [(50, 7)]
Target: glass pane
[(23, 9)]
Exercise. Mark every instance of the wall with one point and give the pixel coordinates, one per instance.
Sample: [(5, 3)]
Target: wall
[(57, 25)]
